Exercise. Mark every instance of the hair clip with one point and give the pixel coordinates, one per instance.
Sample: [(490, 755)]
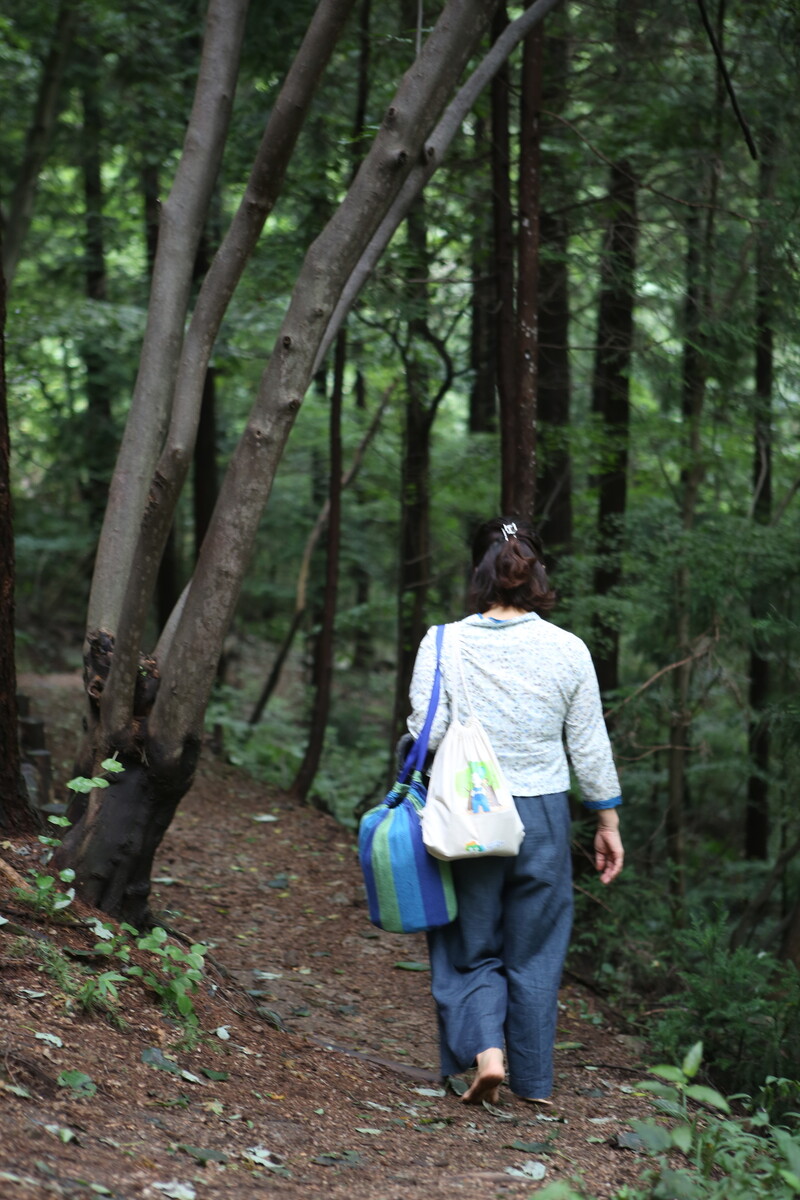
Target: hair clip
[(510, 530)]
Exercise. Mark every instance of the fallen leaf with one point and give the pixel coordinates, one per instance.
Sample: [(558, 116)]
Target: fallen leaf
[(412, 966), (176, 1190), (154, 1057), (528, 1170), (203, 1156)]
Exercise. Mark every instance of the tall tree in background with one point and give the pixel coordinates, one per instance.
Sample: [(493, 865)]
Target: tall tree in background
[(554, 469), (14, 814), (517, 273), (611, 406), (757, 820)]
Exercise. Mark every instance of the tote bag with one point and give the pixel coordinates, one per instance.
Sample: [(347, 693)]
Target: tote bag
[(408, 891), (470, 811)]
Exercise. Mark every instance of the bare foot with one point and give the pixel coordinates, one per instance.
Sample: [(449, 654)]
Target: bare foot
[(489, 1076), (536, 1100)]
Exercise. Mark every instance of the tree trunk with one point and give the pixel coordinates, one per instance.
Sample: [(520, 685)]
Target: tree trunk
[(504, 282), (414, 561), (100, 439), (757, 822), (320, 709), (554, 467), (554, 476), (483, 304), (14, 814), (527, 316), (611, 403)]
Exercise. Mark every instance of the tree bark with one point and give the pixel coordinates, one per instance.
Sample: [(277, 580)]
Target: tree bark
[(554, 468), (554, 476), (99, 440), (483, 303), (414, 558), (611, 404), (14, 814), (320, 709), (504, 273), (527, 315), (757, 817)]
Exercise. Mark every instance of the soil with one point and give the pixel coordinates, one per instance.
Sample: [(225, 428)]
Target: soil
[(313, 1068)]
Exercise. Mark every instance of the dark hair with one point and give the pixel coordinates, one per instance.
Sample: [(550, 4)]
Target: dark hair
[(508, 570)]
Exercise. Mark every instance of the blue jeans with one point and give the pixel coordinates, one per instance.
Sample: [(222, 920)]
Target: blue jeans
[(496, 969)]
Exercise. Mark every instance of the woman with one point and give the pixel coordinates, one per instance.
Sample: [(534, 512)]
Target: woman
[(495, 970)]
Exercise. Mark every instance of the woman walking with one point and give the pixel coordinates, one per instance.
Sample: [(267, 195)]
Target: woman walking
[(496, 969)]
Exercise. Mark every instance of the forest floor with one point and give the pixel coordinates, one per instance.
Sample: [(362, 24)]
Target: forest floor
[(315, 1068)]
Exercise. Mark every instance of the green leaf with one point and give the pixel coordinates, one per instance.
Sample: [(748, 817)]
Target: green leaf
[(412, 966), (691, 1063), (676, 1185), (707, 1095), (217, 1076), (658, 1089), (654, 1137), (528, 1147), (790, 1178), (82, 1085), (113, 765), (673, 1074), (682, 1138)]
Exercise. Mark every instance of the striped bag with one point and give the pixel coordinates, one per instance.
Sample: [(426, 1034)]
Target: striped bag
[(407, 889)]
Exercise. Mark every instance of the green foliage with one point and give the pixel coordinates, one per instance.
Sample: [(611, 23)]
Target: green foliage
[(176, 976), (744, 1005), (728, 1156), (45, 897)]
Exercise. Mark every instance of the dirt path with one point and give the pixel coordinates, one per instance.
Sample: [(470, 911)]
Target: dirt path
[(326, 1043)]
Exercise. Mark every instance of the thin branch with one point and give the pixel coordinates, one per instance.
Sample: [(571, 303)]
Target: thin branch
[(702, 646), (712, 37)]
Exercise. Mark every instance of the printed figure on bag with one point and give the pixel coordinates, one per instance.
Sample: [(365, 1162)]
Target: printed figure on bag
[(475, 782)]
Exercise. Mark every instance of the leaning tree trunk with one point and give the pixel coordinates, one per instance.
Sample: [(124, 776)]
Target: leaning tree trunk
[(611, 404), (158, 740)]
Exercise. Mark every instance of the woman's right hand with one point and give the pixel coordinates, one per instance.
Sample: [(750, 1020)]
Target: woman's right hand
[(608, 853)]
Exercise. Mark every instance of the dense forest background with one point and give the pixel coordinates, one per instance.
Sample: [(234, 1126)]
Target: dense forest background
[(589, 317)]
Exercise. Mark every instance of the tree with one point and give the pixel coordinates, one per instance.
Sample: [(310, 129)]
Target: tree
[(149, 709)]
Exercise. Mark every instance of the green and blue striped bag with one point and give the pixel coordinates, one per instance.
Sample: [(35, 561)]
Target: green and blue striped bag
[(408, 890)]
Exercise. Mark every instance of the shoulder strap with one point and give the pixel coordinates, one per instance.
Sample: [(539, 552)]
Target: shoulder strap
[(416, 756), (456, 637)]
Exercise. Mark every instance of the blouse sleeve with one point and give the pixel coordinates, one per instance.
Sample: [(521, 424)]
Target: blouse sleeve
[(587, 740), (420, 692)]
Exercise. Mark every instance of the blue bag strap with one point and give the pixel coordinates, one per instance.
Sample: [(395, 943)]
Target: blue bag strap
[(417, 753)]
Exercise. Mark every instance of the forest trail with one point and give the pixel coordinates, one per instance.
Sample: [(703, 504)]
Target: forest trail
[(316, 1072)]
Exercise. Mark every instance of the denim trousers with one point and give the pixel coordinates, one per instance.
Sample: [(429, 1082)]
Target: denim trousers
[(496, 969)]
